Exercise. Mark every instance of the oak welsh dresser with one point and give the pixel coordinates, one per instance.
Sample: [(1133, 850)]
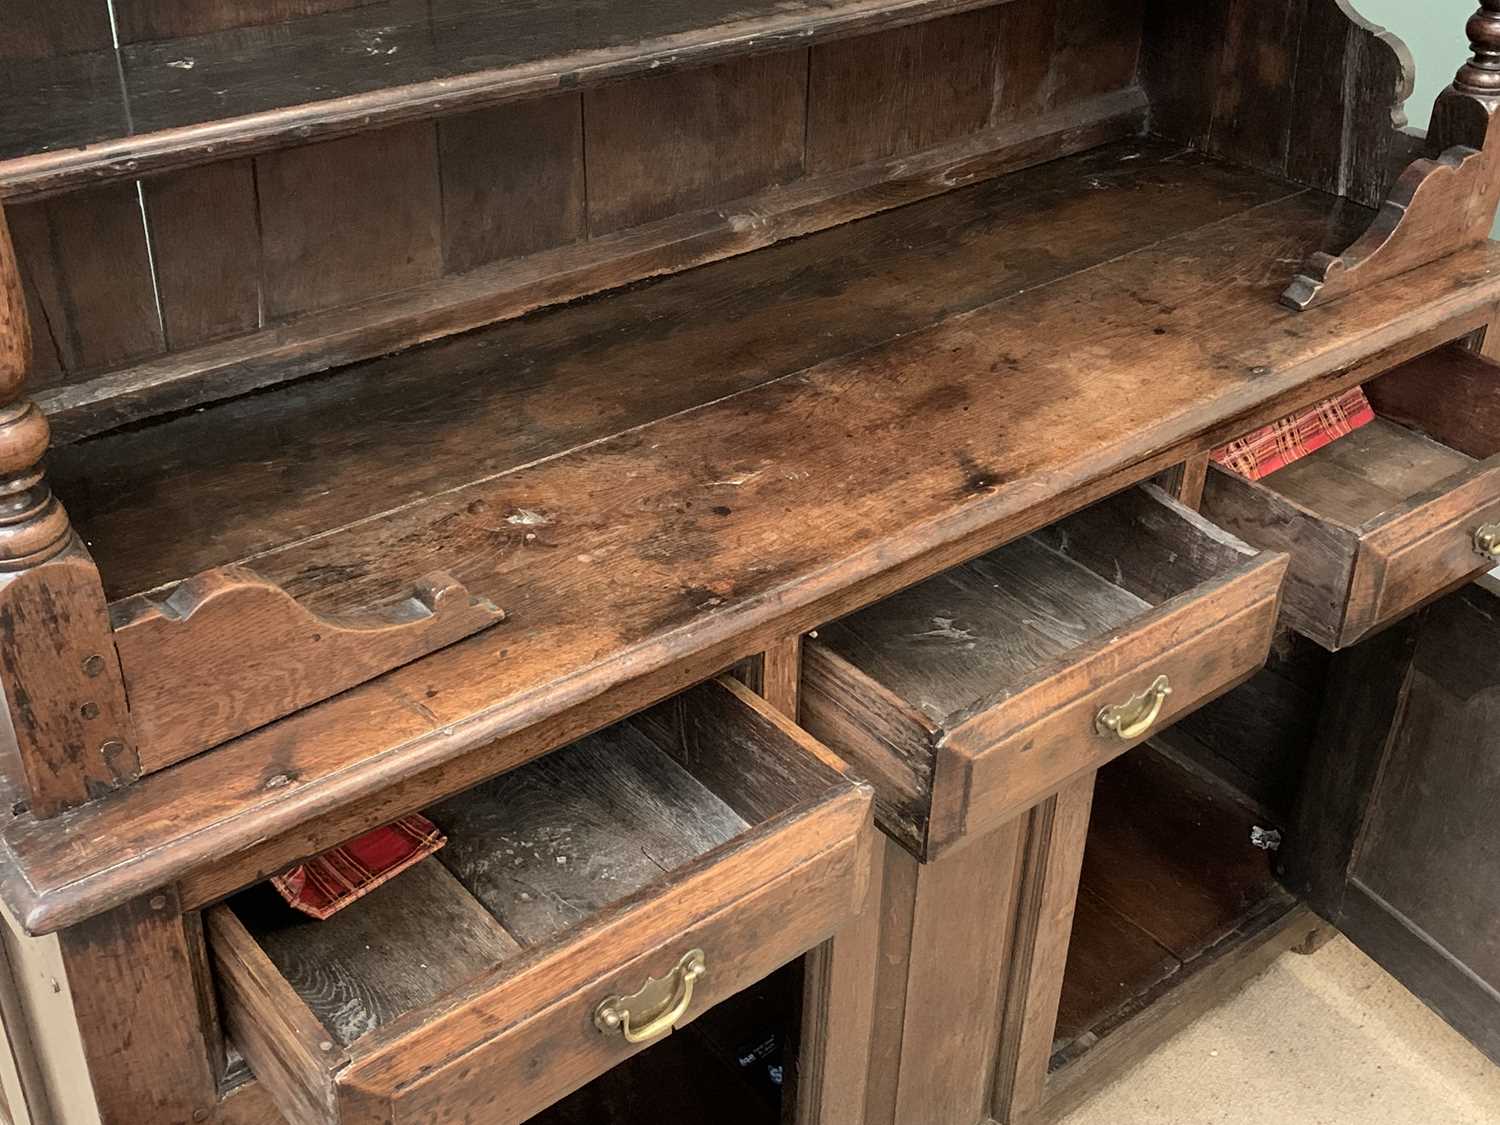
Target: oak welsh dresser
[(742, 469)]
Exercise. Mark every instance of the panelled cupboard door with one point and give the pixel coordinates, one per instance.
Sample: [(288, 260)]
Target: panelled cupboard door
[(1397, 841)]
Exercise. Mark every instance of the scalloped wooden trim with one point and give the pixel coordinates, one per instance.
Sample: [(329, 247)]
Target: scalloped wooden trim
[(1436, 208), (228, 651)]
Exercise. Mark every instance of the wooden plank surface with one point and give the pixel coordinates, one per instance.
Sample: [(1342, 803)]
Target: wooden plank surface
[(244, 476), (676, 142), (242, 90), (398, 948), (551, 844), (1019, 427)]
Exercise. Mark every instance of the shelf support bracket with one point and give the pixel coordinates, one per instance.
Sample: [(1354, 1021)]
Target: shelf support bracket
[(1441, 204)]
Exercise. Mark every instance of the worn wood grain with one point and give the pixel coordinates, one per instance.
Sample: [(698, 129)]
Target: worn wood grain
[(1452, 395), (548, 846), (66, 703), (902, 90), (227, 652), (973, 632), (696, 138), (38, 29), (961, 513), (143, 20), (294, 1056), (257, 88), (87, 258), (508, 288), (205, 242), (396, 949), (349, 219), (248, 475), (131, 976), (512, 181)]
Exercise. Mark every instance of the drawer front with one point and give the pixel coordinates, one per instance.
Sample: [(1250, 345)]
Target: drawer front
[(517, 1031), (1005, 759), (537, 1043), (1421, 550)]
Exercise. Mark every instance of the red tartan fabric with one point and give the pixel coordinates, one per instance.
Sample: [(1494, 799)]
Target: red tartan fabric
[(325, 885), (1261, 452)]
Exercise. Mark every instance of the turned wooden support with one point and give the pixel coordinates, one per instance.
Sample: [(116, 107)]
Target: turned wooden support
[(1480, 76), (1440, 204), (65, 700)]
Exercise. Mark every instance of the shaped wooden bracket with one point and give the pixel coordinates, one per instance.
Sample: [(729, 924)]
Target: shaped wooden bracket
[(227, 651), (1437, 206)]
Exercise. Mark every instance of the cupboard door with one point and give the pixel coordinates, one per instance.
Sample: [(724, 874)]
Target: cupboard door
[(1397, 841)]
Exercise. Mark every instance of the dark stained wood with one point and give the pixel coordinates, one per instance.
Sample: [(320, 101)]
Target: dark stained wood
[(396, 949), (962, 512), (66, 702), (1451, 395), (252, 474), (901, 91), (1437, 207), (349, 219), (956, 696), (1110, 961), (1308, 89), (86, 255), (551, 844), (226, 652), (696, 138), (512, 180), (1023, 62), (374, 65), (141, 20), (1169, 849), (508, 288), (1395, 839), (1380, 521), (40, 28), (205, 241), (1095, 47), (131, 976)]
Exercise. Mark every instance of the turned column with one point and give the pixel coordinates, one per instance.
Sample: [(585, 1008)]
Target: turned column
[(65, 701), (1464, 111)]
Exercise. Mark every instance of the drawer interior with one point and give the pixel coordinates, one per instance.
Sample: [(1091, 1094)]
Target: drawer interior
[(952, 644), (536, 859), (1171, 883), (887, 687), (529, 854)]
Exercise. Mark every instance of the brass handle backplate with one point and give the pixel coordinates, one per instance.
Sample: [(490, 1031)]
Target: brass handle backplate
[(656, 1008), (1487, 540), (1134, 717)]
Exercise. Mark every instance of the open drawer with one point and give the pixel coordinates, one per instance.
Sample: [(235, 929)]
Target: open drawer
[(1390, 516), (971, 696), (586, 903)]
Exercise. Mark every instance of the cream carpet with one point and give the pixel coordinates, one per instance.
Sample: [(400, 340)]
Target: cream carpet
[(1328, 1039)]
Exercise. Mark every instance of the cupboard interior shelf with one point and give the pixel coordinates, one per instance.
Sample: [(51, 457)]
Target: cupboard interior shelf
[(651, 493), (93, 116), (1170, 881)]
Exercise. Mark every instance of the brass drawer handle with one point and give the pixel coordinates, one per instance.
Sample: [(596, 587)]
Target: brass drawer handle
[(1135, 717), (661, 1003), (1487, 540)]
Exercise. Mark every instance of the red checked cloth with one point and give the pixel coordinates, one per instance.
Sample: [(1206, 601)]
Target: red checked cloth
[(325, 885), (1261, 452)]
